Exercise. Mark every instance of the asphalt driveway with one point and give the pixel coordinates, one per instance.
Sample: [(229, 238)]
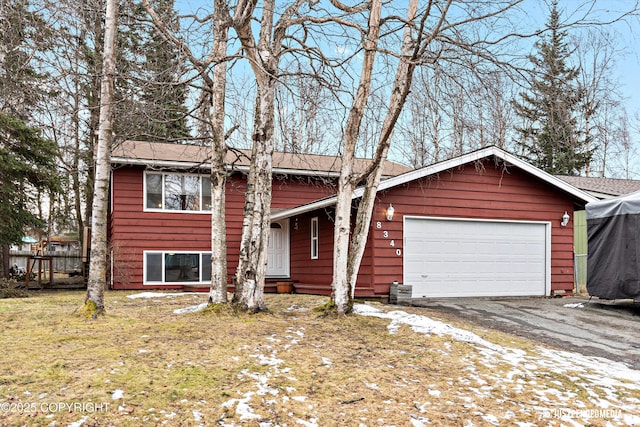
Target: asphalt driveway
[(609, 329)]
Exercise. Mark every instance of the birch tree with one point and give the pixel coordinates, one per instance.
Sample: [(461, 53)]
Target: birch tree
[(263, 55), (431, 35), (94, 300), (211, 112)]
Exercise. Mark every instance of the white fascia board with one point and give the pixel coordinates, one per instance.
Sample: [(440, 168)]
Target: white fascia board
[(190, 165), (158, 163), (320, 204), (545, 176), (481, 154)]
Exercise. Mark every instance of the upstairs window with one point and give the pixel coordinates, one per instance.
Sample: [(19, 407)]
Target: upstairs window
[(177, 192)]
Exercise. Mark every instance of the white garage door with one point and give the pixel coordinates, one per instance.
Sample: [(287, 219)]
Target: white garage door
[(461, 258)]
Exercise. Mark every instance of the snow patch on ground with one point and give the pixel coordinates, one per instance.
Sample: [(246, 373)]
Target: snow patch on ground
[(191, 309), (604, 379), (574, 305), (80, 422), (266, 355), (158, 295)]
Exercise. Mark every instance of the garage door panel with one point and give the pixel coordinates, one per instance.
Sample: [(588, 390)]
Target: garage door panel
[(449, 257)]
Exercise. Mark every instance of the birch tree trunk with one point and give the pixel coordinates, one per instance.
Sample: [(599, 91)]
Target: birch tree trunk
[(212, 129), (252, 264), (399, 93), (263, 58), (219, 276), (348, 253), (99, 250), (341, 294)]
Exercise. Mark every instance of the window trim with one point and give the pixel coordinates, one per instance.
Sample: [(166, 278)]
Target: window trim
[(162, 184), (315, 243), (163, 257)]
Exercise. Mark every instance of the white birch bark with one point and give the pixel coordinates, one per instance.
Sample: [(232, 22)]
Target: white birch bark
[(219, 276), (251, 272), (341, 294), (214, 129), (399, 93), (263, 58), (98, 267)]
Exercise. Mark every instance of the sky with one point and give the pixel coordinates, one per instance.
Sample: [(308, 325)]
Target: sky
[(533, 14), (627, 69)]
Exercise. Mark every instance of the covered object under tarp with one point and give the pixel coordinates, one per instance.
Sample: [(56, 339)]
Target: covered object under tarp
[(613, 234)]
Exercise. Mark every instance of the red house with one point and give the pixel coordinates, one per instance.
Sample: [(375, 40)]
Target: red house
[(160, 215), (482, 224)]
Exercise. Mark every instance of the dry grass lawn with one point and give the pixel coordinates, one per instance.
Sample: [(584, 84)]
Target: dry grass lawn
[(142, 364)]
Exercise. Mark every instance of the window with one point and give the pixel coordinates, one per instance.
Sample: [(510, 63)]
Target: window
[(182, 192), (314, 238), (177, 192), (154, 191), (177, 267)]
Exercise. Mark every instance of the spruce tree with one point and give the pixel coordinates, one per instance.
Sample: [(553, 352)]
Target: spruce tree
[(150, 97), (27, 161), (28, 164), (551, 139)]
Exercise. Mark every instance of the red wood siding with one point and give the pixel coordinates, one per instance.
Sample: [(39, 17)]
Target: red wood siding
[(133, 231), (319, 272), (487, 192), (483, 191), (303, 268)]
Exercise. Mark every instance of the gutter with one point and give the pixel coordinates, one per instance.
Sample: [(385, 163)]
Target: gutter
[(190, 165)]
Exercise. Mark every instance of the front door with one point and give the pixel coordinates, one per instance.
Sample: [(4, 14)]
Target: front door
[(278, 253)]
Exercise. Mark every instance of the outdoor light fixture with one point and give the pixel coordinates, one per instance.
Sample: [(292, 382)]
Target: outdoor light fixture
[(565, 219), (390, 211)]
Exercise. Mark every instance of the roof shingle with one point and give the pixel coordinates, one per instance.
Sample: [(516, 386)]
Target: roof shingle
[(603, 187), (188, 155)]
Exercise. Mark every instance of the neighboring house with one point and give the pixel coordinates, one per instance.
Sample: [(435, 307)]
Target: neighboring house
[(603, 188), (482, 224), (600, 188), (63, 243), (25, 246)]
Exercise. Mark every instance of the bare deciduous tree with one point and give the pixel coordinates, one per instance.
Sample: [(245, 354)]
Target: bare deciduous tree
[(211, 117), (430, 35), (99, 250)]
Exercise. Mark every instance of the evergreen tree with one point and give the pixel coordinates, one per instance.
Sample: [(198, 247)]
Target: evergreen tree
[(551, 139), (27, 161), (150, 97), (28, 164)]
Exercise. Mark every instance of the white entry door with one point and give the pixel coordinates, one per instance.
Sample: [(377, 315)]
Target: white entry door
[(278, 253), (463, 258)]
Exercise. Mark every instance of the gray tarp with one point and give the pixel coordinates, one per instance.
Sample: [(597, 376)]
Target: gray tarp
[(613, 234)]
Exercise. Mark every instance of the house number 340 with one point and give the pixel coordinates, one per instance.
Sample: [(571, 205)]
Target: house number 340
[(385, 234)]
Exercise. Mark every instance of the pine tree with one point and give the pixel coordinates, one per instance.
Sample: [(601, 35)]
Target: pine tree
[(551, 139)]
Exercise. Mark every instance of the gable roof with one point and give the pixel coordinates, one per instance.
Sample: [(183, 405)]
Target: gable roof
[(441, 167), (190, 156), (603, 188)]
